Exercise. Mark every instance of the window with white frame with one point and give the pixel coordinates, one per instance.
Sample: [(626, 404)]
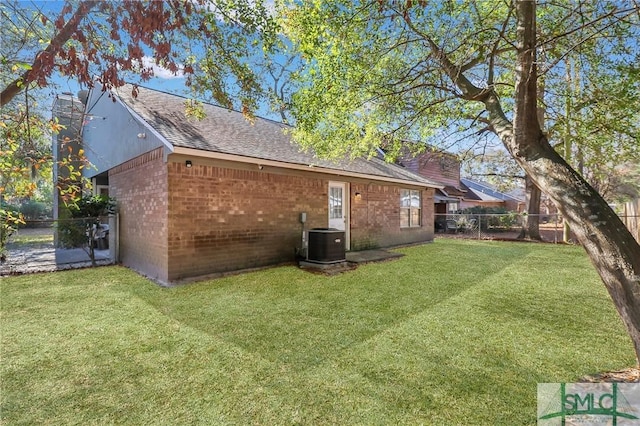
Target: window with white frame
[(335, 203), (410, 208)]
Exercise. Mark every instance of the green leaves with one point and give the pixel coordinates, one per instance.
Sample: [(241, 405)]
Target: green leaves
[(194, 109), (93, 206), (372, 76), (21, 66), (372, 79)]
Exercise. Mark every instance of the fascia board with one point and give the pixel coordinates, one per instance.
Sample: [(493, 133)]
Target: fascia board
[(258, 161)]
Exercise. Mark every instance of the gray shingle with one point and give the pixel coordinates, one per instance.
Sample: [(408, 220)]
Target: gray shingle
[(228, 132)]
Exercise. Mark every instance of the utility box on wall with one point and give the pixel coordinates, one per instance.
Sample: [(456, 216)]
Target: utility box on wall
[(326, 245)]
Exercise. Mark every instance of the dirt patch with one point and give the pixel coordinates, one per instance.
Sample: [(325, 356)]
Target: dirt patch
[(628, 375)]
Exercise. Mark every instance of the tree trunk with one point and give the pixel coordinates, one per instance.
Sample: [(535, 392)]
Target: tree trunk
[(611, 247), (531, 223)]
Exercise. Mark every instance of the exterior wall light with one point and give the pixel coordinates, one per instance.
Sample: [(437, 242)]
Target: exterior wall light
[(188, 163)]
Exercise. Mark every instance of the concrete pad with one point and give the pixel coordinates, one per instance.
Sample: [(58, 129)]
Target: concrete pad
[(327, 268), (49, 259), (354, 258)]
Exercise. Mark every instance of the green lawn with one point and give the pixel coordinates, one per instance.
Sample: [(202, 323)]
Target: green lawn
[(455, 332), (31, 238)]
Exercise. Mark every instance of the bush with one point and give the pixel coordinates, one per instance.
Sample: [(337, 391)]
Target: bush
[(10, 219), (72, 233), (93, 206), (485, 210), (81, 229), (509, 220), (34, 210), (493, 217)]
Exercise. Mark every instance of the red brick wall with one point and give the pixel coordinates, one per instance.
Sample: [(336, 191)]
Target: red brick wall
[(179, 222), (140, 189), (223, 219), (375, 217)]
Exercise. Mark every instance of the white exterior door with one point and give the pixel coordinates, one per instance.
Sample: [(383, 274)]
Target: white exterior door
[(338, 206)]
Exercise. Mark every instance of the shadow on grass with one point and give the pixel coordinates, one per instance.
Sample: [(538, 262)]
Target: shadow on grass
[(449, 334), (286, 314)]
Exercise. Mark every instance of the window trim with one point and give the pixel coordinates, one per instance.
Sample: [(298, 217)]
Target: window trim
[(410, 210), (98, 190)]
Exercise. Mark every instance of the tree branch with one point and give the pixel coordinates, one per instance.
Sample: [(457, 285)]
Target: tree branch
[(41, 65), (470, 91), (495, 51), (501, 175), (589, 24)]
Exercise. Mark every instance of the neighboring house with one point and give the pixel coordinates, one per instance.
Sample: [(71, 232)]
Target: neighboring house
[(456, 193), (484, 195), (199, 197), (548, 210), (442, 167)]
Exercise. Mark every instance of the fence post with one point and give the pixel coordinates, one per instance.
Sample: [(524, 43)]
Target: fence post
[(631, 217), (114, 241)]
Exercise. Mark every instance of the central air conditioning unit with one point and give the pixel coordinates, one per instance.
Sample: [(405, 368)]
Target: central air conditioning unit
[(326, 245)]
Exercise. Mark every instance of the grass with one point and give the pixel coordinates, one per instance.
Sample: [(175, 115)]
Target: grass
[(31, 238), (455, 332)]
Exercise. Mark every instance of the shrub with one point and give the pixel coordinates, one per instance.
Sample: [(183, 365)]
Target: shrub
[(10, 219), (34, 210), (493, 217), (83, 225)]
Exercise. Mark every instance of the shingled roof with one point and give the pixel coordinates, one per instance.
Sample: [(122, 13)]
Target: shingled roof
[(228, 132), (485, 192)]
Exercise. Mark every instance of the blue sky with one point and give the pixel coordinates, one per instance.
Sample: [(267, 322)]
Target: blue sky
[(164, 80)]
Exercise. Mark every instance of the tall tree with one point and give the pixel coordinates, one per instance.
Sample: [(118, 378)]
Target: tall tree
[(531, 223), (593, 95), (25, 144), (25, 162), (380, 69)]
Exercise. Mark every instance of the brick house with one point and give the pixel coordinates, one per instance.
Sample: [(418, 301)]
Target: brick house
[(485, 195), (456, 193), (444, 168), (200, 197)]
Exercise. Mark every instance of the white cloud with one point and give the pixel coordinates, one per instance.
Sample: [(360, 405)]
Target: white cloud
[(159, 71)]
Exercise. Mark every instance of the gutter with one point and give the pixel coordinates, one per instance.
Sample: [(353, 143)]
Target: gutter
[(292, 166)]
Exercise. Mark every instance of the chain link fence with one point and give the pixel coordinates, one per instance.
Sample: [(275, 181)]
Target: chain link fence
[(508, 226), (51, 245)]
